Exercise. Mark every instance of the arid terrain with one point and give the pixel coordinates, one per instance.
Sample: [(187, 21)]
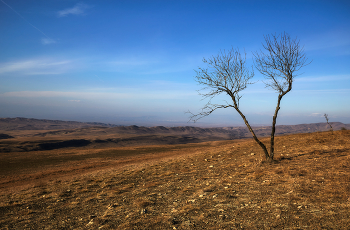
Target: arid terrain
[(105, 177)]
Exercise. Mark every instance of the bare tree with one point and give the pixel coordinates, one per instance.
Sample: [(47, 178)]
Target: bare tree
[(228, 74), (283, 58), (326, 116)]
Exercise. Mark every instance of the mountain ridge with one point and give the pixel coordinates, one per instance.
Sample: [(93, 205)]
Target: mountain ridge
[(20, 123)]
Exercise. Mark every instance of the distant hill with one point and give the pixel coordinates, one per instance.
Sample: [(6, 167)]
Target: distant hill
[(21, 123), (24, 134)]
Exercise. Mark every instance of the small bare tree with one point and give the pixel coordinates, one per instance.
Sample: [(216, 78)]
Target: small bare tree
[(227, 73), (326, 116), (283, 58)]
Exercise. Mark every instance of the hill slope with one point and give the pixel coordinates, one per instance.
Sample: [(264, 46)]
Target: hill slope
[(214, 185)]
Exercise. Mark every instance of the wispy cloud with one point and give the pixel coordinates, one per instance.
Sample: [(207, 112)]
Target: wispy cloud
[(118, 93), (78, 9), (127, 63), (328, 40), (324, 78), (36, 94), (47, 41), (316, 115), (150, 65), (323, 91), (36, 66)]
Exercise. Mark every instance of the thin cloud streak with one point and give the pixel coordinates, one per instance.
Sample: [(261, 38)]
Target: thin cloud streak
[(328, 40), (36, 66), (131, 94), (323, 91), (47, 41), (47, 37), (324, 78), (78, 9)]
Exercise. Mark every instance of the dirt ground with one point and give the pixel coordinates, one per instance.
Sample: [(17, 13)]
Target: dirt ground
[(211, 185)]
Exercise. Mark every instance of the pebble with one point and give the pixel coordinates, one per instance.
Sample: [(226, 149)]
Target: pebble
[(90, 223), (143, 211)]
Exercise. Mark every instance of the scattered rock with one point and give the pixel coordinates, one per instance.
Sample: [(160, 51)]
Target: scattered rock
[(208, 190), (90, 223), (175, 221), (143, 211)]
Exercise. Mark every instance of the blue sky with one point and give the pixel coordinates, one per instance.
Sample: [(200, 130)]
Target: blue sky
[(132, 62)]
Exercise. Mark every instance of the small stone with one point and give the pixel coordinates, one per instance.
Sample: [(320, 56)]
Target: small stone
[(211, 166), (188, 223), (252, 154), (175, 221), (90, 223), (143, 211)]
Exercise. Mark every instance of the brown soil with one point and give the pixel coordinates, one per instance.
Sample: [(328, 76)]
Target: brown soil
[(211, 185)]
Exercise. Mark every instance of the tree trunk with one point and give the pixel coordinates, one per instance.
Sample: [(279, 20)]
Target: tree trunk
[(272, 147), (254, 136)]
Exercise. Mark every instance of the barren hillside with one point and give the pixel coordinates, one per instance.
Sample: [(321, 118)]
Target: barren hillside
[(211, 185)]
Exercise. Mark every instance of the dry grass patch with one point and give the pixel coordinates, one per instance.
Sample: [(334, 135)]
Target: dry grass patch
[(218, 187)]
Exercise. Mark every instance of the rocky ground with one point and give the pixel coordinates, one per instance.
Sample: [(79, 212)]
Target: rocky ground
[(216, 185)]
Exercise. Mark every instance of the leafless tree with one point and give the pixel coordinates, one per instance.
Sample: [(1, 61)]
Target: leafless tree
[(282, 58), (227, 73), (326, 116)]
